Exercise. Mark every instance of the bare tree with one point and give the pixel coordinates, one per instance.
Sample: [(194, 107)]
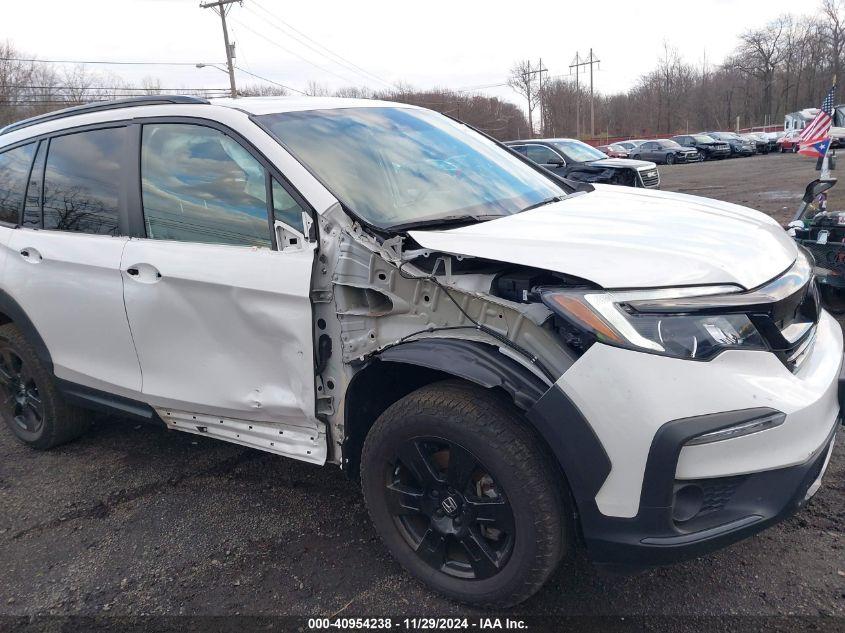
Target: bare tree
[(760, 54), (834, 31), (522, 81)]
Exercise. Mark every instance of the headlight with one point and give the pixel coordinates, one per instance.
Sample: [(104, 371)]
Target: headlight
[(608, 317)]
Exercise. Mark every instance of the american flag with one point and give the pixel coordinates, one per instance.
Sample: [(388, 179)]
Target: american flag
[(815, 138)]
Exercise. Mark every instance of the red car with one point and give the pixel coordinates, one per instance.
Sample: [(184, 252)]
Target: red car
[(613, 150), (789, 141)]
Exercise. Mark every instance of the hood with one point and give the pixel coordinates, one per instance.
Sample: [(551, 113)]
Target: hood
[(624, 237), (628, 163)]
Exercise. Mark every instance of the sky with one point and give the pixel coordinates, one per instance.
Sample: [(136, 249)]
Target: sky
[(435, 43)]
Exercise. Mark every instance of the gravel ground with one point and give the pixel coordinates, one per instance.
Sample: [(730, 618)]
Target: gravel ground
[(133, 519)]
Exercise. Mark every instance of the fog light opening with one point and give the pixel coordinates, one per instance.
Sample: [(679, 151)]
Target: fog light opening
[(687, 502)]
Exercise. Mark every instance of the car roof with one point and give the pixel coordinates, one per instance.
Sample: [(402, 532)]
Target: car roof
[(543, 140), (175, 105), (277, 105)]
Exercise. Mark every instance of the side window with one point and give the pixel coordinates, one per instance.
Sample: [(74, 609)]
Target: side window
[(35, 189), (520, 149), (14, 170), (82, 180), (542, 155), (200, 185), (285, 208)]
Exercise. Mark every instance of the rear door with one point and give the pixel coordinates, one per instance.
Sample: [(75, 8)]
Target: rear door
[(220, 314), (63, 265)]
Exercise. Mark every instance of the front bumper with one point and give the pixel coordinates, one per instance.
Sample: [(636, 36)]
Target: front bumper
[(628, 416), (738, 507)]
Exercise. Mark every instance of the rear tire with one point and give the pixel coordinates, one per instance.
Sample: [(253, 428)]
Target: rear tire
[(32, 406), (464, 495)]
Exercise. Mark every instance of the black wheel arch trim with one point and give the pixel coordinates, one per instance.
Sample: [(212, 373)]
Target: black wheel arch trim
[(480, 363), (560, 423), (18, 316)]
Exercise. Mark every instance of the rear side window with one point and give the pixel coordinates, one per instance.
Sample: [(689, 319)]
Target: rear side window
[(14, 170), (542, 155), (200, 185), (81, 182)]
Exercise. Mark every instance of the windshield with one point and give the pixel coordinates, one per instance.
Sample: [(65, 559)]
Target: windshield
[(578, 152), (669, 145), (703, 138), (398, 166)]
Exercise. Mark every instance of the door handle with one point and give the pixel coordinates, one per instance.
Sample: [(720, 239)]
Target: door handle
[(31, 255), (144, 273)]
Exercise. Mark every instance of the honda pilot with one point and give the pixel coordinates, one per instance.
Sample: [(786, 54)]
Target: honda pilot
[(509, 362)]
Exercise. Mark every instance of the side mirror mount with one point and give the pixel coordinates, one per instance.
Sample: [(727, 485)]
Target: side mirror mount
[(816, 188)]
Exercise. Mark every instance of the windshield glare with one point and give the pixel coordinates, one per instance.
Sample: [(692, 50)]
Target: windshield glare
[(578, 152), (702, 138), (669, 145), (393, 166)]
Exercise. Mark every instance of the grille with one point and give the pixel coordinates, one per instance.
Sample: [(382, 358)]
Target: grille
[(790, 325), (648, 179)]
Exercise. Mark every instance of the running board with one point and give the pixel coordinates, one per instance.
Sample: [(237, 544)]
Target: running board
[(298, 442)]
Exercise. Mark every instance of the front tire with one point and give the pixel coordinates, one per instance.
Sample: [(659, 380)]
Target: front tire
[(670, 160), (464, 495), (32, 406)]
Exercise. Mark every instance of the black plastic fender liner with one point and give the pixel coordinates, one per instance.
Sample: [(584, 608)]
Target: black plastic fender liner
[(15, 312), (480, 363)]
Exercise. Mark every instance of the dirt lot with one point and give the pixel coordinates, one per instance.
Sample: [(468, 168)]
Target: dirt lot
[(133, 519)]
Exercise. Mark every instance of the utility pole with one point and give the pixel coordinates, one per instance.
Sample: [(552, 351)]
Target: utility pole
[(540, 72), (220, 8), (576, 64)]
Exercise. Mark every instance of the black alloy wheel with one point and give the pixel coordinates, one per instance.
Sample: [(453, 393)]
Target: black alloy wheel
[(21, 405), (449, 509), (464, 494), (30, 402), (670, 159)]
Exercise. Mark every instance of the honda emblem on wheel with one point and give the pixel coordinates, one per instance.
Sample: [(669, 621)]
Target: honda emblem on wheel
[(449, 505)]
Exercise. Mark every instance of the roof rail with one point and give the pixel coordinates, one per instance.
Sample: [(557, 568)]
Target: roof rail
[(98, 106)]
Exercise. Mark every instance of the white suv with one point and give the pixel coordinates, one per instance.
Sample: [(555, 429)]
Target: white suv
[(511, 363)]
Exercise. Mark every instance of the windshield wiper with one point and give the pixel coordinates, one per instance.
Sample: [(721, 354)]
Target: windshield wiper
[(444, 221), (543, 203)]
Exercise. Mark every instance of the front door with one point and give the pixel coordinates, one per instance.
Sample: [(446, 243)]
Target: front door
[(220, 318)]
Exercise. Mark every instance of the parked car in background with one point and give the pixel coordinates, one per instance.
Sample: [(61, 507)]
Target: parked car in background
[(666, 151), (614, 150), (739, 146), (789, 141), (576, 160), (630, 144), (707, 146), (760, 141)]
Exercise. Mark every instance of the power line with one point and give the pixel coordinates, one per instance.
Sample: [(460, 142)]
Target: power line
[(102, 62), (290, 52), (328, 54), (269, 80)]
